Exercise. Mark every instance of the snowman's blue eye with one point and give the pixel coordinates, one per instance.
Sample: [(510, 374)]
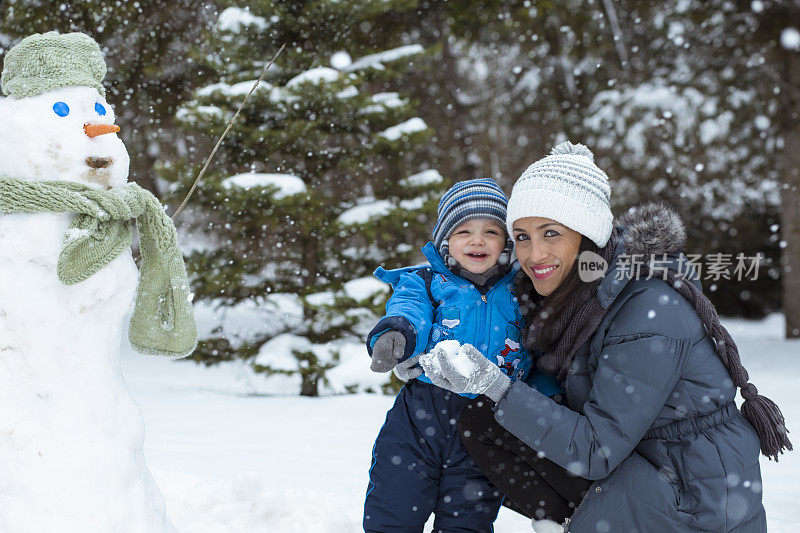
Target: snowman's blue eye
[(100, 109), (61, 109)]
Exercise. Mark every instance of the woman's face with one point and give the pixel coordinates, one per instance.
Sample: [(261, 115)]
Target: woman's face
[(546, 251)]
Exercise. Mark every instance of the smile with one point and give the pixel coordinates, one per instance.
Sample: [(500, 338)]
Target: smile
[(477, 256), (543, 273)]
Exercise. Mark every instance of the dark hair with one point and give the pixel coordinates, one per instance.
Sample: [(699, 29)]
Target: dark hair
[(540, 313)]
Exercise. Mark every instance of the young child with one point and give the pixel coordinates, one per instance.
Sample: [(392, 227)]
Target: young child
[(419, 465)]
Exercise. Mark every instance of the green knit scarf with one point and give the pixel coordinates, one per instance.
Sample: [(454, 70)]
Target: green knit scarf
[(163, 318)]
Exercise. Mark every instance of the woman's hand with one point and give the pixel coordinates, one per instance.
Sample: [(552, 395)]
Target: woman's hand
[(464, 370)]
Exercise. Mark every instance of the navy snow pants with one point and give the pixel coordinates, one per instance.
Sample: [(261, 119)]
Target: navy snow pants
[(419, 467)]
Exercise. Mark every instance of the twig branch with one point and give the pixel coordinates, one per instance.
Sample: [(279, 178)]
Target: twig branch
[(619, 42), (219, 142)]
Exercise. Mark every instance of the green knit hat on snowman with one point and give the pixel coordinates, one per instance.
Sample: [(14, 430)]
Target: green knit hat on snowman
[(43, 62)]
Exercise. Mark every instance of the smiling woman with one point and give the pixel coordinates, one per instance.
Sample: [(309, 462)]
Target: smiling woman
[(650, 374)]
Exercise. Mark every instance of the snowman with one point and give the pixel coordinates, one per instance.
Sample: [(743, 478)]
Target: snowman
[(71, 436)]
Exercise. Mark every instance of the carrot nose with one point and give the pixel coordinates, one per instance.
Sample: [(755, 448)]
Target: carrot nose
[(93, 130)]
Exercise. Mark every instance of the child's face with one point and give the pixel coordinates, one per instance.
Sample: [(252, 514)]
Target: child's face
[(476, 244)]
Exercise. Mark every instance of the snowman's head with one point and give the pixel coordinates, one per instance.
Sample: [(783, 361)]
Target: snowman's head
[(56, 124), (63, 134)]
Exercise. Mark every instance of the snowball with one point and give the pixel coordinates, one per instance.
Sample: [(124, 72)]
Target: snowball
[(457, 354), (450, 349)]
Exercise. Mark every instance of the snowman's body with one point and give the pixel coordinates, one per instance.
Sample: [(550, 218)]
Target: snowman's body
[(70, 434)]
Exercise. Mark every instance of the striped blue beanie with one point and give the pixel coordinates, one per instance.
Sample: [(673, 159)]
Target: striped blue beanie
[(469, 200)]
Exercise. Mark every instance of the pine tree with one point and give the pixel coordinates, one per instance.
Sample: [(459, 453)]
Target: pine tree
[(316, 184)]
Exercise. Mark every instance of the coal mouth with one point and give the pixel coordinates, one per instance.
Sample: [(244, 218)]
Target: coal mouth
[(99, 162)]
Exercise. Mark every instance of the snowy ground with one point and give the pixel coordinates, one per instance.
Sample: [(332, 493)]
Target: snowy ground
[(230, 461)]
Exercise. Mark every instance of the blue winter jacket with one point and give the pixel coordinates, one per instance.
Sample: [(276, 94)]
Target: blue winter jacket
[(650, 416), (431, 304)]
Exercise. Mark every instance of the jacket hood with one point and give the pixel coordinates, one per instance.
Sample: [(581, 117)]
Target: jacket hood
[(434, 259), (653, 228), (650, 229)]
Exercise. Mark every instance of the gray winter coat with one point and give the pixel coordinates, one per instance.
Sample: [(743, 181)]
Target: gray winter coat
[(651, 417)]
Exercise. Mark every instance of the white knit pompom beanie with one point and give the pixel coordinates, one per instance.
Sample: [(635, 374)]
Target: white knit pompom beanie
[(566, 186)]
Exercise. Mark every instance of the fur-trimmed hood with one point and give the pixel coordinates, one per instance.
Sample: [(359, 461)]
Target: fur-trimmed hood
[(650, 229), (653, 227)]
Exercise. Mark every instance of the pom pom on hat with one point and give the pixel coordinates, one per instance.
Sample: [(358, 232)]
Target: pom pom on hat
[(567, 148)]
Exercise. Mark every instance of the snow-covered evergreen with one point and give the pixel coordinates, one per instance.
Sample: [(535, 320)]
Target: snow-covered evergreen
[(313, 196)]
